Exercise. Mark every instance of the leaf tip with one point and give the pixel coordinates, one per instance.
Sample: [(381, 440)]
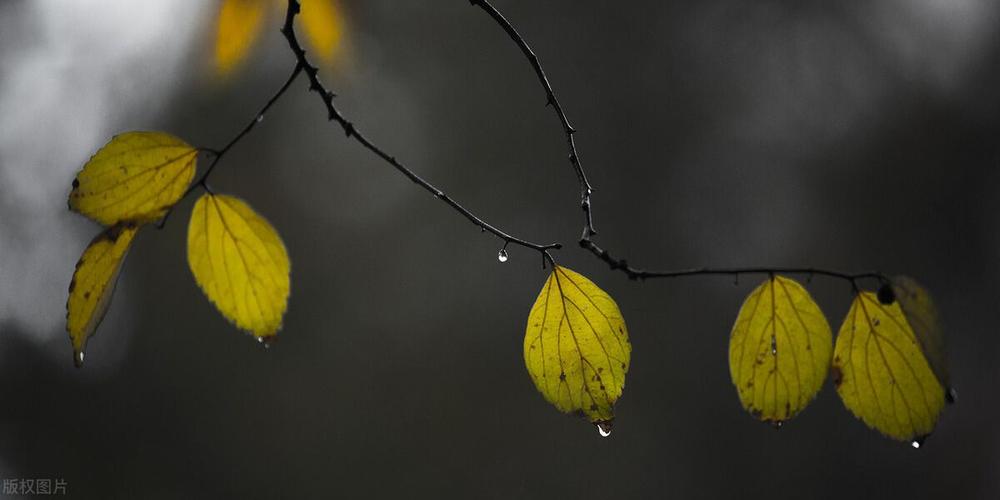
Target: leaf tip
[(267, 340), (836, 374)]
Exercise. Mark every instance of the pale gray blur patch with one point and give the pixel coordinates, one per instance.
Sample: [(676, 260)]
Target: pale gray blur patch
[(793, 80), (938, 42), (73, 72), (803, 75)]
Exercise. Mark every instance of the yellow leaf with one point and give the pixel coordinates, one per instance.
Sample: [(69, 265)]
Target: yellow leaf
[(779, 350), (323, 26), (137, 176), (239, 26), (94, 283), (882, 375), (922, 316), (240, 263), (576, 347)]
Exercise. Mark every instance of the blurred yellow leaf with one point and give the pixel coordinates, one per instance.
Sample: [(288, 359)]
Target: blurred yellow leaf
[(576, 347), (922, 316), (323, 27), (93, 284), (137, 176), (881, 373), (240, 22), (779, 350), (240, 262)]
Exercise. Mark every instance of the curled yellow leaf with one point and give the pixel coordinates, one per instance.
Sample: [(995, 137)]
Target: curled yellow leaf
[(135, 177), (239, 25), (779, 350), (93, 284), (881, 373), (922, 315), (576, 347), (240, 262)]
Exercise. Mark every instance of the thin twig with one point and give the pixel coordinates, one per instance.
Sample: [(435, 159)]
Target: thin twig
[(551, 100), (246, 130), (217, 154), (333, 114)]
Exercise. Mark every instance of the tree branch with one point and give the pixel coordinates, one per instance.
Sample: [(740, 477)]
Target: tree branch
[(642, 274), (551, 100), (352, 132), (586, 239)]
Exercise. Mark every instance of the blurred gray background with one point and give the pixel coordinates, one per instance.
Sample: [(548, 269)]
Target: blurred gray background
[(849, 135)]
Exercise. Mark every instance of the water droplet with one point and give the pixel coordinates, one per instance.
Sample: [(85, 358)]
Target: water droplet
[(78, 358), (777, 424), (260, 118), (604, 428), (267, 341), (774, 346), (502, 256), (915, 444), (951, 396)]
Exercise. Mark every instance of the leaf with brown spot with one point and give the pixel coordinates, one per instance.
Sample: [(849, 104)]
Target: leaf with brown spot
[(779, 350), (576, 347), (93, 284), (886, 380), (135, 177)]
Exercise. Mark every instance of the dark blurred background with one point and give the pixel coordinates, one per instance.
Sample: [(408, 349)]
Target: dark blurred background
[(849, 135)]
